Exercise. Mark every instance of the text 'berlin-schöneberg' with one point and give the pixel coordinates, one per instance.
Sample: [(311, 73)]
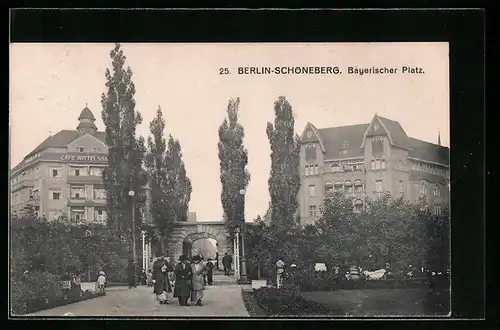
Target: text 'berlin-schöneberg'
[(325, 70)]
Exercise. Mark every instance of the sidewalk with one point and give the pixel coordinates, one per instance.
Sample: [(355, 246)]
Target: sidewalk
[(221, 299)]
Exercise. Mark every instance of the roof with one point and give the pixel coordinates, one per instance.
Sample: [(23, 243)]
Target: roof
[(397, 132), (86, 114), (63, 138), (429, 151), (334, 138)]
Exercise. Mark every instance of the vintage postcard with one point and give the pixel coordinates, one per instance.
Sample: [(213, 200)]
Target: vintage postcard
[(230, 179)]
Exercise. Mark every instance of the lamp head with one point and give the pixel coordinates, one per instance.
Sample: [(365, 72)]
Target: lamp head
[(131, 193)]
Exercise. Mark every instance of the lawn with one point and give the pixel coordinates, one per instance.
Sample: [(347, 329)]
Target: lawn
[(382, 302)]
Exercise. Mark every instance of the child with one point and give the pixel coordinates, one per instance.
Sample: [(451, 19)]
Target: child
[(101, 281)]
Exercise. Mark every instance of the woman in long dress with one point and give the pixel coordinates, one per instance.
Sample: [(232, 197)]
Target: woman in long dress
[(199, 270), (183, 280), (161, 283)]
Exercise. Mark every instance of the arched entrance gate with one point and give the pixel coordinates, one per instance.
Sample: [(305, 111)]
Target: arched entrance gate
[(185, 234)]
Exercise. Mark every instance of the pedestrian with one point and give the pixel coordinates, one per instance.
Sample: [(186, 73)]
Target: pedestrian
[(227, 260), (149, 278), (101, 281), (131, 275), (198, 270), (143, 277), (210, 271), (183, 280), (161, 283)]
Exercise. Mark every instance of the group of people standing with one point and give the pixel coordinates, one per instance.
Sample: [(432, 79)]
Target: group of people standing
[(190, 279)]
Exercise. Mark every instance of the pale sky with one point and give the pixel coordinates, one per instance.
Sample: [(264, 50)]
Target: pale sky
[(50, 84)]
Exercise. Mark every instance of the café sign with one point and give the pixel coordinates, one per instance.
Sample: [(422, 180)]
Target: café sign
[(84, 158)]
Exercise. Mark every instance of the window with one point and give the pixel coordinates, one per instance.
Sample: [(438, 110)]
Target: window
[(401, 165), (79, 149), (358, 205), (382, 164), (96, 149), (338, 186), (96, 171), (310, 151), (77, 192), (77, 214), (306, 171), (55, 194), (77, 171), (55, 173), (335, 168), (358, 186), (34, 194), (372, 163), (37, 211), (423, 188), (328, 187), (437, 210), (377, 146), (348, 186), (312, 211), (379, 187), (437, 190), (99, 193), (354, 167), (312, 191), (100, 216), (414, 166), (401, 187), (316, 169)]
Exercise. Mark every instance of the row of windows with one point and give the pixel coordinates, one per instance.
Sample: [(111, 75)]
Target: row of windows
[(314, 210), (436, 189), (95, 150), (429, 169), (77, 215), (76, 192), (358, 207)]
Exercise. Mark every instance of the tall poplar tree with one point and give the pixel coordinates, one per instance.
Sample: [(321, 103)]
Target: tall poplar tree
[(178, 183), (284, 180), (157, 172), (126, 152), (234, 176)]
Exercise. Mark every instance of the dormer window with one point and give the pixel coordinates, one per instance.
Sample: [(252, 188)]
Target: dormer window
[(345, 145), (309, 134)]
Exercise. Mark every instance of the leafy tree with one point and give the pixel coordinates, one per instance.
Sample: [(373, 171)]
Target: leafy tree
[(284, 180), (157, 172), (125, 155), (178, 180), (233, 159)]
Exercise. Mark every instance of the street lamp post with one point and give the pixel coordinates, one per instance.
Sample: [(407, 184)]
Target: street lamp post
[(144, 255), (131, 193), (243, 275)]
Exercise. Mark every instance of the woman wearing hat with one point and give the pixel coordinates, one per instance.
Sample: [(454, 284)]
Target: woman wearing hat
[(183, 280), (161, 283), (199, 270)]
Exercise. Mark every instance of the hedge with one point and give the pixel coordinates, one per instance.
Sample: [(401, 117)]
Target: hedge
[(284, 302), (309, 280), (35, 291)]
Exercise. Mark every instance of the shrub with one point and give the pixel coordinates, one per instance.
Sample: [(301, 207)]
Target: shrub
[(33, 288)]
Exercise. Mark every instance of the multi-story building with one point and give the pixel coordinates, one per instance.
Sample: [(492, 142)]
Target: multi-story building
[(366, 159), (63, 175)]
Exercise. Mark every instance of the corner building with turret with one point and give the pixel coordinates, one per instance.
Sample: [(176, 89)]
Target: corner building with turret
[(366, 159), (63, 175)]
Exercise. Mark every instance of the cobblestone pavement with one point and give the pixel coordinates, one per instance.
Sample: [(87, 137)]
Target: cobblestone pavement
[(221, 299)]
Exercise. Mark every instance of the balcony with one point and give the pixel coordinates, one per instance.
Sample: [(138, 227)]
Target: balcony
[(84, 179), (24, 183)]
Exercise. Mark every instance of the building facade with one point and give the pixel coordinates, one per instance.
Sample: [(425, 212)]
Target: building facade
[(367, 159), (63, 175)]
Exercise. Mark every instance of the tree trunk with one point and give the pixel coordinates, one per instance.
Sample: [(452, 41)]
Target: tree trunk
[(162, 245), (258, 270)]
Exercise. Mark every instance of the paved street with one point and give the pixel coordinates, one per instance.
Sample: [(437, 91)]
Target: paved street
[(221, 299)]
